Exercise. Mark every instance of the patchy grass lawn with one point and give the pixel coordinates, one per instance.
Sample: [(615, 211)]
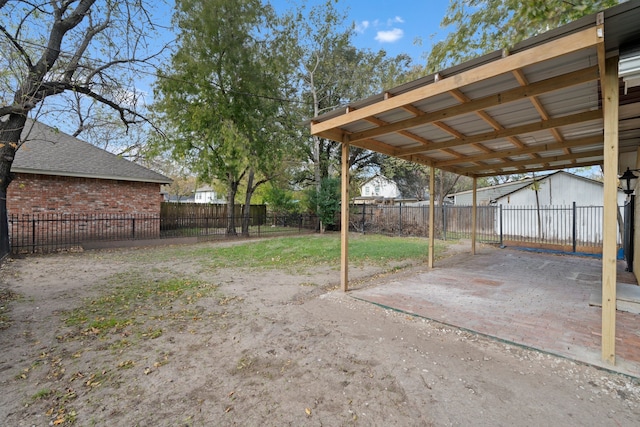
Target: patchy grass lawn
[(294, 253)]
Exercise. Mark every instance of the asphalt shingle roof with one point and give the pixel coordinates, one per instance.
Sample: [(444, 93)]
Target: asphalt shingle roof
[(48, 151)]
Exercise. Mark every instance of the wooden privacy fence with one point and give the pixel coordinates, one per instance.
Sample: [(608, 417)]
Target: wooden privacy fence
[(181, 215)]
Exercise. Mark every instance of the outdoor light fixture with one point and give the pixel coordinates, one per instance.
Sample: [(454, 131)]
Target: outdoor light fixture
[(628, 180)]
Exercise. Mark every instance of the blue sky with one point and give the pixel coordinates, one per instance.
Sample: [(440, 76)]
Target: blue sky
[(391, 25)]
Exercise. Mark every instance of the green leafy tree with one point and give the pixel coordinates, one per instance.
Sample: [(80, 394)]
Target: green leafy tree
[(325, 203), (280, 200), (333, 73), (61, 57), (222, 95), (482, 26)]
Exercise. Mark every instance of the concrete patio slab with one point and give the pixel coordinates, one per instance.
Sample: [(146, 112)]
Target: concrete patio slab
[(535, 300)]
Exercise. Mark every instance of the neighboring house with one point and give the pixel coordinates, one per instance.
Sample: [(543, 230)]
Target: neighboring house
[(206, 194), (556, 189), (377, 189), (172, 198), (555, 220), (486, 195), (55, 173)]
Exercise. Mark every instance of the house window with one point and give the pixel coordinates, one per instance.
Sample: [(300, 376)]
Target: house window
[(367, 190), (377, 190)]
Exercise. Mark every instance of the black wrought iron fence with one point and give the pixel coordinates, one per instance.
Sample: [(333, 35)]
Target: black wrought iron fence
[(573, 228), (51, 232), (451, 222)]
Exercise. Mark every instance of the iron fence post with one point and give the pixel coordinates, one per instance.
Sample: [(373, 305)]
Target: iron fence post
[(133, 227), (33, 234), (501, 235), (575, 227), (444, 221)]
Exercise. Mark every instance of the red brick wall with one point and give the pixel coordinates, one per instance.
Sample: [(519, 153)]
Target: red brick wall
[(34, 194)]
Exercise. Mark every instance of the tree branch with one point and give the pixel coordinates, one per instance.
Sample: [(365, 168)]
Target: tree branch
[(90, 34), (17, 45)]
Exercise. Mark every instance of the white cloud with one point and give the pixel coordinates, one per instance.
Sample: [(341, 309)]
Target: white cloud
[(362, 26), (390, 36), (396, 20)]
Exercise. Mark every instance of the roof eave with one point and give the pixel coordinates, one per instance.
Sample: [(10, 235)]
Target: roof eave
[(81, 175)]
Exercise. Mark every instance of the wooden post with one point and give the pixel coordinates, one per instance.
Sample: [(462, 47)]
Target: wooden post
[(344, 220), (432, 214), (474, 216), (610, 102)]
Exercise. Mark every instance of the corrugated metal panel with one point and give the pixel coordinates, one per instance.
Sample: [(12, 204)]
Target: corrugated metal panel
[(514, 113), (475, 121), (437, 103), (562, 65), (484, 88)]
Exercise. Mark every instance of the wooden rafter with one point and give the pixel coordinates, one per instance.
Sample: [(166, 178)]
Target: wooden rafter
[(544, 161), (583, 117), (538, 148), (516, 94), (571, 43), (541, 168)]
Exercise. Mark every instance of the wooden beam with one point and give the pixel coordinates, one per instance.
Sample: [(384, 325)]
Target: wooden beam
[(538, 88), (344, 221), (377, 146), (528, 170), (538, 148), (537, 161), (571, 43), (610, 103), (332, 134), (585, 116), (600, 47), (432, 215)]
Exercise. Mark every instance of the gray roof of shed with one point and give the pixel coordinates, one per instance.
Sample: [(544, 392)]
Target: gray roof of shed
[(48, 151)]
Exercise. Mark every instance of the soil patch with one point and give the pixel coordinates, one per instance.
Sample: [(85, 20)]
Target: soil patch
[(245, 346)]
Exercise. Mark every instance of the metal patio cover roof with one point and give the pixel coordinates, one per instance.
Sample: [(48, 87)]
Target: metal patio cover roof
[(536, 108)]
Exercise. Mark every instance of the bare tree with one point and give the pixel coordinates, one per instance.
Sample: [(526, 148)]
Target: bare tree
[(63, 57)]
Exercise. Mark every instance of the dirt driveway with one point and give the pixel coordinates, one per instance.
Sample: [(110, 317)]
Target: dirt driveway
[(255, 347)]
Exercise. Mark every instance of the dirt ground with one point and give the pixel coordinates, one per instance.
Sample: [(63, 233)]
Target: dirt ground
[(270, 348)]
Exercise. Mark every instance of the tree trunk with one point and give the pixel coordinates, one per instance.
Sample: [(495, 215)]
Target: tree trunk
[(232, 189), (246, 209), (10, 132), (5, 247)]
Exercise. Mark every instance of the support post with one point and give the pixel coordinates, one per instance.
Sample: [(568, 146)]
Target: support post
[(474, 216), (574, 232), (610, 102), (432, 212), (344, 220)]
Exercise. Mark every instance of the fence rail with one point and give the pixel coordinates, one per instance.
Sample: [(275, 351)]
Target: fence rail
[(571, 228), (51, 232), (574, 228)]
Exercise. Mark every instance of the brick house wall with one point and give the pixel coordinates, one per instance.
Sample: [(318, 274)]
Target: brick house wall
[(38, 194), (48, 212)]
